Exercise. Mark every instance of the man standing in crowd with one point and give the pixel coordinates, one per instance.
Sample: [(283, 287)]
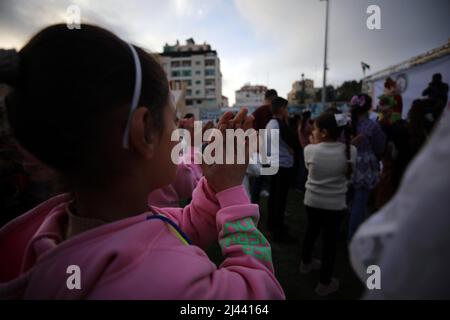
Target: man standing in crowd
[(437, 91), (262, 116), (284, 159)]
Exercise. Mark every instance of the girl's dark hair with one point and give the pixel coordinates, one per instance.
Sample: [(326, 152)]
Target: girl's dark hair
[(334, 110), (270, 94), (71, 88), (278, 103), (359, 105), (327, 121), (306, 116)]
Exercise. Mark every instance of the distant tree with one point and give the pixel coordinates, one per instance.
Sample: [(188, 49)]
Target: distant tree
[(330, 94), (347, 90)]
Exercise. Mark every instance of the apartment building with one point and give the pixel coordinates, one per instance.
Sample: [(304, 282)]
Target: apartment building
[(250, 96), (198, 66), (302, 92)]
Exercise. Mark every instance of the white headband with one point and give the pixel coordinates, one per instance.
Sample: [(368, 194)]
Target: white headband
[(136, 94)]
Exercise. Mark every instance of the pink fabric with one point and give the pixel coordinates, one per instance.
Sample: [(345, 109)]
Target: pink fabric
[(188, 175), (135, 258)]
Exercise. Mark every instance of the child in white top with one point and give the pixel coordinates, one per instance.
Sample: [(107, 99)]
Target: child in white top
[(330, 166)]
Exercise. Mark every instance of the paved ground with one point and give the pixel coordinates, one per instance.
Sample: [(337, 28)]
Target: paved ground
[(286, 257)]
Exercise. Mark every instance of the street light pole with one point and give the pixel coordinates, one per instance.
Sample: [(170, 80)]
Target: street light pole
[(325, 67), (303, 89)]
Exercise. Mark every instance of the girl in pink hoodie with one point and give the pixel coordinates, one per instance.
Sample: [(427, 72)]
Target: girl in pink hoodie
[(97, 111)]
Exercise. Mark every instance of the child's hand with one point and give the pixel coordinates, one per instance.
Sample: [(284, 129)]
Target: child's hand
[(224, 176), (188, 124), (208, 125)]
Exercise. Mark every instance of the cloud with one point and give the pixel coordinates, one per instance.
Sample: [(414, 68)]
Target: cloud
[(148, 23), (193, 8), (296, 30), (294, 33)]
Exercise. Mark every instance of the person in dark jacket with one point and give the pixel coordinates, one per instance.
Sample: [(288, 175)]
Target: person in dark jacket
[(437, 91)]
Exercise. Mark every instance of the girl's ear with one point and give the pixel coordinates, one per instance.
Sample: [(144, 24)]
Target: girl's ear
[(141, 138)]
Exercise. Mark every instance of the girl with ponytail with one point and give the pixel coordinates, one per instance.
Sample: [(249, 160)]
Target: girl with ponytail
[(330, 166)]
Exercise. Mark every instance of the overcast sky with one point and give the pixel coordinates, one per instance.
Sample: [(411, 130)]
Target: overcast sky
[(268, 42)]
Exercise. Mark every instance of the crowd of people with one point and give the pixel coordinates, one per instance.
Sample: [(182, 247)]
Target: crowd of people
[(351, 164), (90, 164)]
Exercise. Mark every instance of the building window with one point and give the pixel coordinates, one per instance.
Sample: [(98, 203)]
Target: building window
[(198, 72), (210, 62), (189, 102), (186, 63), (199, 101), (175, 73), (198, 82), (198, 63), (210, 72), (186, 73), (197, 92), (188, 82), (210, 82), (189, 92), (175, 64), (210, 92)]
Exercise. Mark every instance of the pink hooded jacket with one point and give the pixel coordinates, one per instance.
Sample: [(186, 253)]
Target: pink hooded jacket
[(137, 258)]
